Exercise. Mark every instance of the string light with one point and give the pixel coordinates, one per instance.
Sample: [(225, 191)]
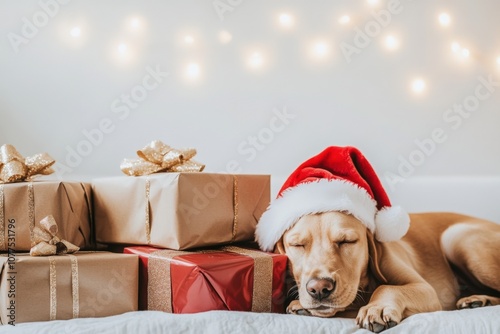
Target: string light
[(122, 48), (286, 20), (345, 19), (225, 37), (455, 47), (76, 32), (459, 51), (256, 60), (320, 49), (123, 53), (135, 23), (391, 42), (418, 86), (444, 19), (193, 71)]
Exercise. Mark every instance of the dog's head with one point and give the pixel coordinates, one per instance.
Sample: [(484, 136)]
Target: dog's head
[(329, 255)]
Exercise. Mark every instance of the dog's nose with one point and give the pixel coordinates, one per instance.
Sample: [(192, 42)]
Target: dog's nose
[(320, 288)]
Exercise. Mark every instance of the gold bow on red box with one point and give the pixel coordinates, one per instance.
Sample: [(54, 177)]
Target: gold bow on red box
[(159, 157), (14, 167)]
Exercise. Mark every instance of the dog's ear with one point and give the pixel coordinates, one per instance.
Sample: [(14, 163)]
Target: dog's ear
[(279, 248), (375, 253)]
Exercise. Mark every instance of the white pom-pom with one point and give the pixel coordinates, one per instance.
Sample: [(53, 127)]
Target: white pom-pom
[(391, 224)]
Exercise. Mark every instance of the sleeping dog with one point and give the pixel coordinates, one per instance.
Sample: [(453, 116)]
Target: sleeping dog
[(352, 253), (337, 265)]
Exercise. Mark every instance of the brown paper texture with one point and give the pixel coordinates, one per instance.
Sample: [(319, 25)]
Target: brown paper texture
[(68, 202), (107, 285), (186, 210)]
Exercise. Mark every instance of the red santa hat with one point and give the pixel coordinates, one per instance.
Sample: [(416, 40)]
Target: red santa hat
[(337, 179)]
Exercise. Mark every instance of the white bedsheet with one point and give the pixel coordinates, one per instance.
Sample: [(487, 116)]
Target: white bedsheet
[(480, 320)]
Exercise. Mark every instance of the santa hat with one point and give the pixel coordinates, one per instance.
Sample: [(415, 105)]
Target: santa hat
[(337, 179)]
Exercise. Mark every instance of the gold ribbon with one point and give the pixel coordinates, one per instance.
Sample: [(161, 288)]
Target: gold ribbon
[(235, 207), (53, 287), (159, 157), (159, 280), (75, 286), (47, 242), (31, 216), (147, 224), (14, 167), (3, 245), (160, 283), (31, 213), (262, 277)]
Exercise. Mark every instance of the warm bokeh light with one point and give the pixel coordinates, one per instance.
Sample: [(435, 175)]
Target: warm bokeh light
[(345, 19), (418, 86), (76, 32), (123, 53), (444, 19), (189, 39), (193, 71), (286, 20), (459, 51), (391, 42), (135, 23), (122, 48), (320, 49), (256, 60), (225, 37)]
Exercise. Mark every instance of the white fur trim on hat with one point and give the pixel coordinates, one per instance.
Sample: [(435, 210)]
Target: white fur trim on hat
[(391, 223), (310, 198)]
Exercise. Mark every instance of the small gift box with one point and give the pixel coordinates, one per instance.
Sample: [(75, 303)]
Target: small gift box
[(177, 210), (86, 284), (24, 202), (228, 278)]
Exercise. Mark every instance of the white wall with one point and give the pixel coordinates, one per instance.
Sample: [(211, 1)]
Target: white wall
[(56, 86)]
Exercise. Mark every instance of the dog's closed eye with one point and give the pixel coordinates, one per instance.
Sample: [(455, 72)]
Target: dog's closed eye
[(346, 242)]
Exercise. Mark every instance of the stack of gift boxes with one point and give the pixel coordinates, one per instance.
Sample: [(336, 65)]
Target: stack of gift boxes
[(170, 239)]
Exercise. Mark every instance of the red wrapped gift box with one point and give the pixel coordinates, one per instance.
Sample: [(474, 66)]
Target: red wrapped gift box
[(227, 278)]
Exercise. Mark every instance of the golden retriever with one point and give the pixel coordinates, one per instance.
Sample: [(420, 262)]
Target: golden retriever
[(340, 269)]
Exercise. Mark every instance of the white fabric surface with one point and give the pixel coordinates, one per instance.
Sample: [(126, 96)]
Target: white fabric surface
[(481, 320)]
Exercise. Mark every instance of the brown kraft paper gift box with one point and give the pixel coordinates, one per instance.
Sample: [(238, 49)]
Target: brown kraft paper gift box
[(24, 204), (179, 210), (86, 284)]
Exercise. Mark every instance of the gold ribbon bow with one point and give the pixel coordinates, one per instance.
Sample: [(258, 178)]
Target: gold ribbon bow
[(15, 168), (46, 240), (159, 157)]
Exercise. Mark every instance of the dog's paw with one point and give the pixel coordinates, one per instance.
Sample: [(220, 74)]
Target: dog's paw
[(377, 318), (295, 308), (474, 301)]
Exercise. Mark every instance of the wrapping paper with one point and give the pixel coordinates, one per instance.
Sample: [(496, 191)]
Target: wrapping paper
[(228, 278), (24, 204), (86, 284), (179, 210)]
